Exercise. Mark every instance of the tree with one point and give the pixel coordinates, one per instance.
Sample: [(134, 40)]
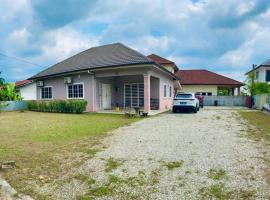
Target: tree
[(2, 80), (253, 88), (9, 93)]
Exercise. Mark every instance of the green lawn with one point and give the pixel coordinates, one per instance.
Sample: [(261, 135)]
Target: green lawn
[(48, 144), (259, 129), (260, 124)]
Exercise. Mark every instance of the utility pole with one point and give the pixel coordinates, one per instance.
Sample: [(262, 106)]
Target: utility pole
[(252, 79)]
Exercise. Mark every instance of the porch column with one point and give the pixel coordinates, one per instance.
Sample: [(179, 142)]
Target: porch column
[(238, 91), (146, 81)]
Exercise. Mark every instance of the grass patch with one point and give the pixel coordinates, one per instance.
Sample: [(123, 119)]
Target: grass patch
[(49, 144), (218, 117), (113, 179), (259, 128), (174, 164), (117, 187), (261, 122), (112, 164), (217, 191), (217, 174), (100, 191), (246, 194)]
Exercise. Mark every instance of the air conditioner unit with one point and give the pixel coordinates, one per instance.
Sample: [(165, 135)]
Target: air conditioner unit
[(40, 83), (67, 80)]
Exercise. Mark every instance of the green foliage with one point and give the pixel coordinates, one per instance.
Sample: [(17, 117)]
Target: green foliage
[(261, 88), (253, 88), (62, 106), (9, 93), (223, 92)]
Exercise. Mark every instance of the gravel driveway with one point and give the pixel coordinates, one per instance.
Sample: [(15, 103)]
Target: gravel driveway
[(177, 156)]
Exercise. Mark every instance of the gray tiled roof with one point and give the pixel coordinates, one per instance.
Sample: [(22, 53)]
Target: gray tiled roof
[(109, 55), (264, 64)]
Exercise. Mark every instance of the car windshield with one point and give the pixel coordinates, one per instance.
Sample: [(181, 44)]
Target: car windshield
[(184, 96)]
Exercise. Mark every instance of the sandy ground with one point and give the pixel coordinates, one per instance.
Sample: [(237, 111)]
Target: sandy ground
[(175, 156)]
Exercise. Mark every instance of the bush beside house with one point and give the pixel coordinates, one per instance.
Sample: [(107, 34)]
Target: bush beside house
[(61, 106)]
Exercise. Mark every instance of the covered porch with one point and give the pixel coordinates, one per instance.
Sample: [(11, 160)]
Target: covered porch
[(228, 90), (117, 94)]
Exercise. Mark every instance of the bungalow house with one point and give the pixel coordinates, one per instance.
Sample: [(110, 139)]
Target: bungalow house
[(109, 76), (262, 72), (207, 83)]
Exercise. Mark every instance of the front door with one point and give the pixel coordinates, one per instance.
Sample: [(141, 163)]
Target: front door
[(106, 96)]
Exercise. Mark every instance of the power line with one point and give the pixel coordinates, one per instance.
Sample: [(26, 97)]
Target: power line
[(19, 59)]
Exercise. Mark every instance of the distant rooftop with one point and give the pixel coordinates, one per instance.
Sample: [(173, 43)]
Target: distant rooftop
[(264, 64), (160, 60), (204, 77)]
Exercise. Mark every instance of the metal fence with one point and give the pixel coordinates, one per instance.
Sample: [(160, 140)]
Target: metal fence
[(14, 105), (262, 101), (225, 100)]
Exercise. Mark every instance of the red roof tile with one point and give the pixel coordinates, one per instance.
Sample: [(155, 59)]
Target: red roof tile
[(22, 83), (204, 77), (159, 59)]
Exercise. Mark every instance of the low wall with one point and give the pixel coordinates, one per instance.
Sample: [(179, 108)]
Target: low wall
[(225, 100), (14, 105), (262, 101)]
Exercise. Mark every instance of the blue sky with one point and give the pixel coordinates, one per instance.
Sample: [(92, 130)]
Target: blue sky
[(225, 36)]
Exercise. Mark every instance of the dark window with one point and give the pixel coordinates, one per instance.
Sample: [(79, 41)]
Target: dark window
[(267, 78), (46, 93), (170, 91), (209, 94), (75, 91), (204, 93), (165, 90), (184, 96)]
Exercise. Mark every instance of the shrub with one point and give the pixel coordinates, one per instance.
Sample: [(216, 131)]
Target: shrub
[(63, 106)]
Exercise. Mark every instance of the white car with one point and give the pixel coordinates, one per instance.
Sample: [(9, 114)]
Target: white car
[(185, 101)]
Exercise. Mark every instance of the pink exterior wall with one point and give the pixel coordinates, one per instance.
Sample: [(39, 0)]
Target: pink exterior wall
[(165, 103), (117, 78), (59, 89)]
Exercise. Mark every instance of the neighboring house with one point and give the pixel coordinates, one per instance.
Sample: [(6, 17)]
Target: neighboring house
[(169, 65), (207, 83), (262, 72), (27, 89), (109, 76)]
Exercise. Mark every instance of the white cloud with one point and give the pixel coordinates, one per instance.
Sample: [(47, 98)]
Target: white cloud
[(62, 43), (19, 37)]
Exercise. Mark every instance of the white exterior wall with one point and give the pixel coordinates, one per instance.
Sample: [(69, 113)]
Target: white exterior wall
[(200, 88), (29, 91), (262, 74)]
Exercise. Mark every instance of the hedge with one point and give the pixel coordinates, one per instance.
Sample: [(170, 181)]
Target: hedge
[(62, 106)]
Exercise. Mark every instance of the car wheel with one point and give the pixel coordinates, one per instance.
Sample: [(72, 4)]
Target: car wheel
[(198, 108), (195, 110), (174, 110)]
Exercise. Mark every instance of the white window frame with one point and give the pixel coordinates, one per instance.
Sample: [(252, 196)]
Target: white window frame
[(75, 97), (131, 91), (41, 92)]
